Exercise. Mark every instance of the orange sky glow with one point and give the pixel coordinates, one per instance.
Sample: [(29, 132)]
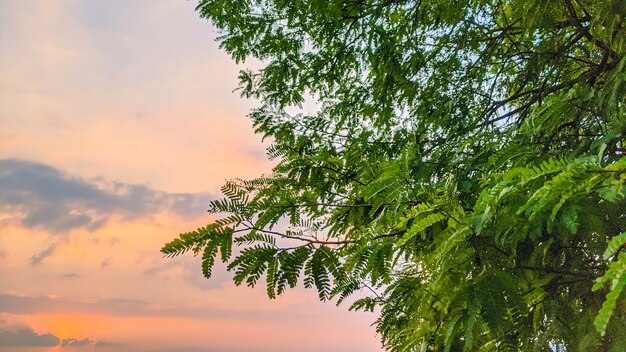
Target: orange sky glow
[(118, 123)]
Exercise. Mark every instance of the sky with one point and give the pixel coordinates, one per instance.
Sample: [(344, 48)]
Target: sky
[(118, 124)]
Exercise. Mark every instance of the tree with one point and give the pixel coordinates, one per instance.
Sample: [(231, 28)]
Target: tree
[(465, 167)]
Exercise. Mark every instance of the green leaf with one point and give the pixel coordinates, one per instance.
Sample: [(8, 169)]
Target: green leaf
[(615, 243)]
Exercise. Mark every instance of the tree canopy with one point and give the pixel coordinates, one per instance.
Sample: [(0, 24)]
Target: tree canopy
[(463, 174)]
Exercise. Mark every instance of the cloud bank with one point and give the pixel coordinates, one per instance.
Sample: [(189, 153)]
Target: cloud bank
[(25, 337), (41, 196)]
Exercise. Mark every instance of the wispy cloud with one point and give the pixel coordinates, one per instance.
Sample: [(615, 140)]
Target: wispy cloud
[(41, 196), (39, 257)]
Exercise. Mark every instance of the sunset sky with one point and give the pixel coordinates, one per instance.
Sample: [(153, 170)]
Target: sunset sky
[(118, 123)]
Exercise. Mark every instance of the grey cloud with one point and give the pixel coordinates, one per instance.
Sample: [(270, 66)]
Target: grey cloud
[(77, 342), (39, 257), (27, 337), (72, 275), (49, 199)]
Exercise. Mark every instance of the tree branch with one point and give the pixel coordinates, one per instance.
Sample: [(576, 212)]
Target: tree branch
[(576, 21)]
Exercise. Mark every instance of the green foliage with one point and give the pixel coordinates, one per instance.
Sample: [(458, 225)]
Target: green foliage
[(463, 177), (616, 276)]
